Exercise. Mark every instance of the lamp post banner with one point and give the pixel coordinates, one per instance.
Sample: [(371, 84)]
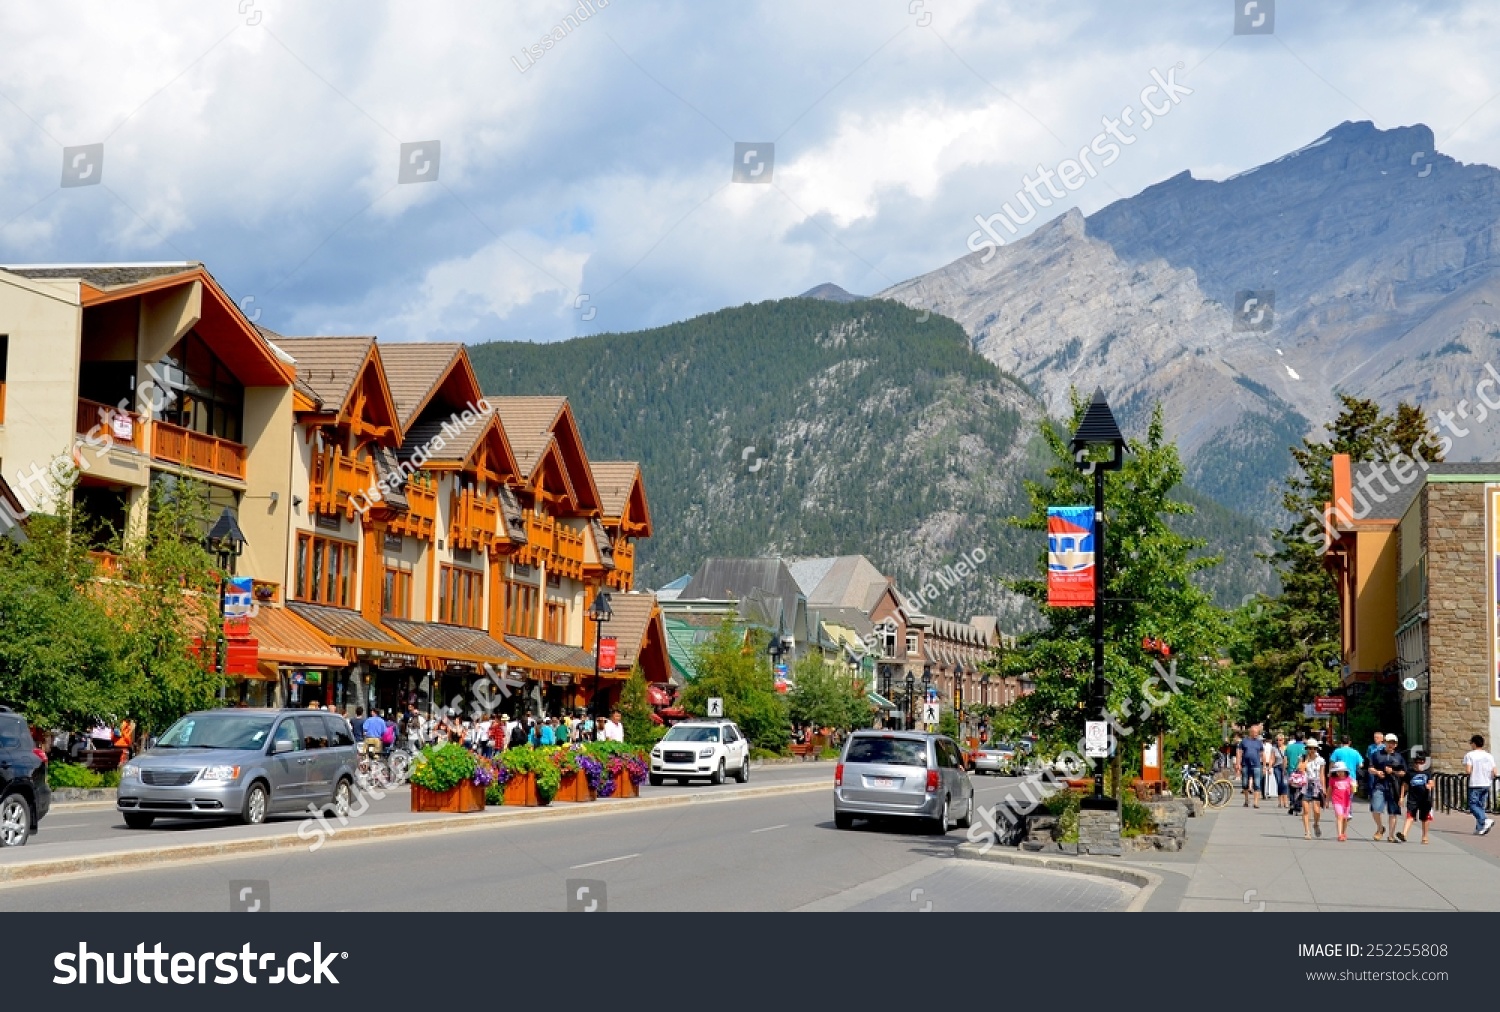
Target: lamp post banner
[(1070, 556), (608, 647)]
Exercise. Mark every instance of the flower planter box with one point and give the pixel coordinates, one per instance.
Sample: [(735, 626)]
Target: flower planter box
[(466, 797), (625, 787), (575, 787), (520, 792)]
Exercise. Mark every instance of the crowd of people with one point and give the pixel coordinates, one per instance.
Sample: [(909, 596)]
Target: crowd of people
[(1304, 781), (381, 730)]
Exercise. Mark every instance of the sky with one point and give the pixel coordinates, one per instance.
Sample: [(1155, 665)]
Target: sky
[(588, 185)]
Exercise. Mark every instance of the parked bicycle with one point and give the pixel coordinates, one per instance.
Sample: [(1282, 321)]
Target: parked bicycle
[(373, 772), (1211, 790)]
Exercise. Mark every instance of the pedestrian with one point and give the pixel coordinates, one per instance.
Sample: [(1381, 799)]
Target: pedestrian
[(1418, 796), (1377, 744), (1340, 796), (1388, 777), (499, 734), (1278, 771), (614, 730), (518, 735), (589, 730), (374, 732), (1480, 766), (1270, 756), (562, 731), (548, 734), (1247, 765), (1313, 790), (1347, 754), (1294, 753)]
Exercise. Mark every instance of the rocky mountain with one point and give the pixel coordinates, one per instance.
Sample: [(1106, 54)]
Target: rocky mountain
[(1363, 263), (811, 427), (829, 292)]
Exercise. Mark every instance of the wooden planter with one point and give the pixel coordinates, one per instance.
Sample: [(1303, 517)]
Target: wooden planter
[(625, 787), (520, 792), (575, 787), (466, 797)]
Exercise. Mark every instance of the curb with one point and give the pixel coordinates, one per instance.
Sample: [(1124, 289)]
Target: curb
[(33, 871), (1145, 880)]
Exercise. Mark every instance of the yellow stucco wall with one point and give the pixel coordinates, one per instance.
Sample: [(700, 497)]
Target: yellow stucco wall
[(1375, 600), (42, 321)]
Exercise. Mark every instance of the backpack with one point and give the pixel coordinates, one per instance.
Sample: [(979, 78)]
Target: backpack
[(518, 735), (389, 737)]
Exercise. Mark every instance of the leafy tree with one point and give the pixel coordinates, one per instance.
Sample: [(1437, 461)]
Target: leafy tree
[(1148, 571), (825, 695), (738, 673), (635, 711)]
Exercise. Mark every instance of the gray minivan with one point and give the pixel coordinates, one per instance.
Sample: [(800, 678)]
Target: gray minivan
[(906, 774), (241, 763)]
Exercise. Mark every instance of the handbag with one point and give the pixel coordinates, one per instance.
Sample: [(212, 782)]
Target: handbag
[(1298, 779)]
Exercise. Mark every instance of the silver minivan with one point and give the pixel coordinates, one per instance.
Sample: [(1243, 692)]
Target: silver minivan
[(905, 774), (241, 763)]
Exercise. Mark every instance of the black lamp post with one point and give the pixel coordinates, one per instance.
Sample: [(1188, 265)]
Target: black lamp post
[(926, 682), (911, 699), (599, 613), (226, 541), (1097, 429)]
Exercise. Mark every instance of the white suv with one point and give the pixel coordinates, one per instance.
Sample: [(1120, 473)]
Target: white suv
[(695, 749)]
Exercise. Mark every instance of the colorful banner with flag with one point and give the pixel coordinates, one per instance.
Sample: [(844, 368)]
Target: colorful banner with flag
[(1070, 556)]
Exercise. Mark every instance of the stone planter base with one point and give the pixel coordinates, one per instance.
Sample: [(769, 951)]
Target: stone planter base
[(1099, 832)]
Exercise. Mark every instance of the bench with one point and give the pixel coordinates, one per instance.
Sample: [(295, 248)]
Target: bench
[(104, 760), (803, 751)]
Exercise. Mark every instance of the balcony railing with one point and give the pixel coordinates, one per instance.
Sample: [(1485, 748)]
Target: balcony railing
[(121, 427), (476, 519), (211, 454), (340, 484), (553, 544), (622, 576), (420, 521)]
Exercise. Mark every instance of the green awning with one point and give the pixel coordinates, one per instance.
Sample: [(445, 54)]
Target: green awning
[(880, 702)]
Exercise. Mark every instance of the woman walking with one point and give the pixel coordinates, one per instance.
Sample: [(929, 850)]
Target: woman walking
[(1270, 787), (1340, 796), (1279, 771), (1313, 791)]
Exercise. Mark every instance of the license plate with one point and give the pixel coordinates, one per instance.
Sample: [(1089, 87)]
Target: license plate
[(882, 782)]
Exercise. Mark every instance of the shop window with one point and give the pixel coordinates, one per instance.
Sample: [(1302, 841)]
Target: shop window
[(325, 571), (461, 597)]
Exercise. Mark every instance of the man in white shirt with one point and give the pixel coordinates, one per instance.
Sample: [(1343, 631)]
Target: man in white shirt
[(1480, 766), (614, 730)]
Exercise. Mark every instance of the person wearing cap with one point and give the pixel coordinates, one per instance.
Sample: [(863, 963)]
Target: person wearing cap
[(1249, 756), (1388, 783), (1313, 790), (1340, 796), (1418, 796)]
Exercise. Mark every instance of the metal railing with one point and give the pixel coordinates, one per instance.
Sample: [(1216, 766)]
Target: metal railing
[(1451, 793)]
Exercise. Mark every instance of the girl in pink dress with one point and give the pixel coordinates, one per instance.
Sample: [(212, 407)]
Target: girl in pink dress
[(1340, 796)]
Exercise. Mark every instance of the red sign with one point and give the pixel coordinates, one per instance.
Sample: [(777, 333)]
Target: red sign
[(1328, 704), (240, 657), (607, 652), (1070, 556)]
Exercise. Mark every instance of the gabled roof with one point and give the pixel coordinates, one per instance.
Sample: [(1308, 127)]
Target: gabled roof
[(415, 371), (622, 494), (104, 276), (538, 427), (333, 368), (461, 439), (631, 620), (764, 582), (844, 581)]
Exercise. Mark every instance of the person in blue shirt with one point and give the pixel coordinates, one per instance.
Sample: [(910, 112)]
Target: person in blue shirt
[(548, 736), (374, 731), (1370, 754), (1347, 755)]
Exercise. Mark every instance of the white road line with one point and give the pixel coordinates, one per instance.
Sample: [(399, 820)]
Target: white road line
[(767, 829), (608, 860), (70, 825)]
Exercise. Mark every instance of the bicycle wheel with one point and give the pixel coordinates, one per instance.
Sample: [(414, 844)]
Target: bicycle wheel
[(380, 774), (400, 763), (1193, 788), (1220, 792)]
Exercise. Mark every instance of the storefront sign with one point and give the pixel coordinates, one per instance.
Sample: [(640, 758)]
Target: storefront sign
[(1070, 556), (1328, 704), (562, 678), (315, 678), (392, 661), (608, 652)]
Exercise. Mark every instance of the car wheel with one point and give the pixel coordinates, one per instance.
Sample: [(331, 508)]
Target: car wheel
[(139, 820), (15, 821), (743, 776), (718, 777), (342, 799), (257, 803), (843, 820), (654, 780), (939, 825), (968, 818)]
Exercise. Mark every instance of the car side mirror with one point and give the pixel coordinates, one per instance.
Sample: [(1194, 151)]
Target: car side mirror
[(150, 744), (281, 745)]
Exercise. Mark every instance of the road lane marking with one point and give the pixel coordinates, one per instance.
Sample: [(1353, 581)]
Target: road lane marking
[(72, 825), (608, 860), (768, 829)]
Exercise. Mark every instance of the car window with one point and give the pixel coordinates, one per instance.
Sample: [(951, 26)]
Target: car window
[(684, 733), (338, 730), (314, 731), (730, 736), (12, 732), (891, 751), (218, 730), (287, 731)]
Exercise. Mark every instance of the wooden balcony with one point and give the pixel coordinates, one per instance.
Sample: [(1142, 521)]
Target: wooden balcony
[(421, 520), (209, 454), (341, 484), (122, 428), (622, 577), (475, 521), (567, 552), (553, 544)]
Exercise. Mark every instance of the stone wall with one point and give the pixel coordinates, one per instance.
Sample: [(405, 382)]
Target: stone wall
[(1458, 628)]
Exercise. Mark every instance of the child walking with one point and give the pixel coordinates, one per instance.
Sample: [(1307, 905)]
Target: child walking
[(1340, 796), (1418, 796)]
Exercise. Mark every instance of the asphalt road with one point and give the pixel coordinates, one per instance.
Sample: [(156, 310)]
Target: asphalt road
[(763, 853)]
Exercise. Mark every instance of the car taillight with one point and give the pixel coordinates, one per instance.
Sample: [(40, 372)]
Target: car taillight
[(40, 755), (838, 775), (932, 781)]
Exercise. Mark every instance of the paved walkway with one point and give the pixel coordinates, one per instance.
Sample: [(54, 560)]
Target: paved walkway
[(1256, 859)]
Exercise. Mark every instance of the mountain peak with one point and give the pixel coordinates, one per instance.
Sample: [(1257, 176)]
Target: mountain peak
[(829, 292)]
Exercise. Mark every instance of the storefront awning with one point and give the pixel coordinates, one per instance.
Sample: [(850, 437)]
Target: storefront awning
[(439, 644), (284, 638), (880, 702), (542, 655), (348, 630)]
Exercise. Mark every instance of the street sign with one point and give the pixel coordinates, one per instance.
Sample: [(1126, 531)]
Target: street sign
[(1308, 710), (1328, 704), (1409, 684), (930, 713), (1096, 739), (715, 706)]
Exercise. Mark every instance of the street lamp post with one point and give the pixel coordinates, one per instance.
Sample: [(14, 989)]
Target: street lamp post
[(926, 682), (1098, 428), (226, 541), (911, 699), (599, 613)]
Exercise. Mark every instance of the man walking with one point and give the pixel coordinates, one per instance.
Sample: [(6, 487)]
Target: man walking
[(1387, 778), (357, 725), (1347, 754), (1294, 753), (1247, 764), (1369, 755), (374, 732), (1480, 766)]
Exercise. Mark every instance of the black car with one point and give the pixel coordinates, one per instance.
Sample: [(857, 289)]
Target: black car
[(24, 794)]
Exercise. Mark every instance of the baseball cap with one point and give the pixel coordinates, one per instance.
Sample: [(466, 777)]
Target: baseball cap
[(1392, 737)]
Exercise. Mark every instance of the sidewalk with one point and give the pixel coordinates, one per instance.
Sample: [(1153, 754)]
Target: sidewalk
[(1256, 859)]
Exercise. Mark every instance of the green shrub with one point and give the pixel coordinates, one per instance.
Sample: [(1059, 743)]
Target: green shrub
[(764, 753), (112, 778), (494, 794), (1065, 805), (443, 768), (521, 761), (829, 753), (73, 775), (1135, 818)]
